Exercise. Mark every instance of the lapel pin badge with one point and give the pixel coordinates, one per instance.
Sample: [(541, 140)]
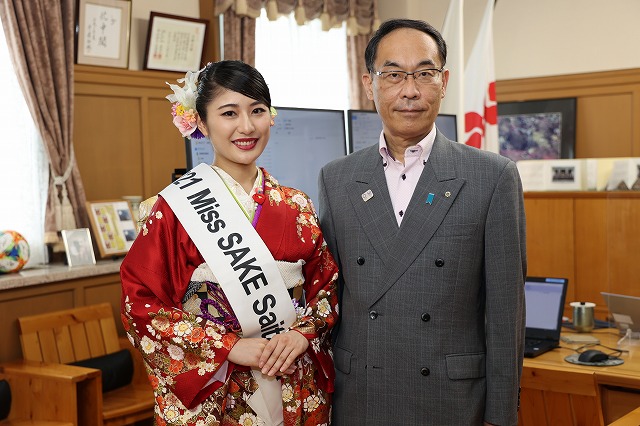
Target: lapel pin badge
[(430, 198), (367, 195), (447, 194)]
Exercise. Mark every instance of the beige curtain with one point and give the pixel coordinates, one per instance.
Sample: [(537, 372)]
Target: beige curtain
[(40, 34), (360, 14), (355, 61), (239, 37)]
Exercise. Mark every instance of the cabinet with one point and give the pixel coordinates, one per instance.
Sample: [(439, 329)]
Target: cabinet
[(591, 238), (53, 288)]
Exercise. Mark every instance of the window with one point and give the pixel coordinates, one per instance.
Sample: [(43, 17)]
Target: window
[(25, 170), (304, 66)]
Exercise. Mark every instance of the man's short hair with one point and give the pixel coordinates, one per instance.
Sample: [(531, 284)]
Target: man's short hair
[(394, 24)]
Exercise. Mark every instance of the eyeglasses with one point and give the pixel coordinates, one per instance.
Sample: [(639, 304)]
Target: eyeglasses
[(424, 76)]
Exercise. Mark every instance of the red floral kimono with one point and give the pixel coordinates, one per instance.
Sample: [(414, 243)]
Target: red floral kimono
[(165, 280)]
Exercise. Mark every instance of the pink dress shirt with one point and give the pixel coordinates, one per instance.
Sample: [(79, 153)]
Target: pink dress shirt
[(402, 178)]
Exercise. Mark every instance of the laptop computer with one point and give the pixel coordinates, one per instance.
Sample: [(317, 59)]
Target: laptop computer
[(625, 311), (544, 299)]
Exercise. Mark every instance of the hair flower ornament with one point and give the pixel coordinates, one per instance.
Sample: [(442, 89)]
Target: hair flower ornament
[(183, 109)]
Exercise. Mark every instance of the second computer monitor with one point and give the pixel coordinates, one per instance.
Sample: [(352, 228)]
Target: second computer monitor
[(365, 127)]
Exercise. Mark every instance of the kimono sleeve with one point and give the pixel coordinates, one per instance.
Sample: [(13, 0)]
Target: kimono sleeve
[(321, 311), (182, 351)]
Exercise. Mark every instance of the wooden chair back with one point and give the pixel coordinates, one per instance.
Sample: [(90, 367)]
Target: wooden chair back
[(559, 396), (71, 335), (81, 333)]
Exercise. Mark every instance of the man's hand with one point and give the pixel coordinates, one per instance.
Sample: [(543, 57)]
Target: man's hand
[(280, 353)]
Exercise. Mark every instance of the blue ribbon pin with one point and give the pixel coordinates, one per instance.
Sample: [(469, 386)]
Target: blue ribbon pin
[(430, 198)]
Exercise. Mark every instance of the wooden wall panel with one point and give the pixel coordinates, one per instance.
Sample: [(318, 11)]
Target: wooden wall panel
[(107, 145), (124, 140), (167, 145), (607, 103), (550, 239), (623, 240), (604, 126), (592, 268), (592, 238)]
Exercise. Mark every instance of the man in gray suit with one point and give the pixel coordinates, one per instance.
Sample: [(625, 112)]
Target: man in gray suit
[(429, 235)]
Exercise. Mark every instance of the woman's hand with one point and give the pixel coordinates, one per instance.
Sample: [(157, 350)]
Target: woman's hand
[(280, 353), (247, 351)]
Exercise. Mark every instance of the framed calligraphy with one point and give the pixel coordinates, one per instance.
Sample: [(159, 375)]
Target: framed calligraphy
[(102, 32), (175, 43)]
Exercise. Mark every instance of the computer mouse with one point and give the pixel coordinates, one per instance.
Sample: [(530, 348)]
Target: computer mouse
[(593, 355)]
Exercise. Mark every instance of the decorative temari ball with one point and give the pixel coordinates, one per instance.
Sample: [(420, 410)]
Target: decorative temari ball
[(14, 251)]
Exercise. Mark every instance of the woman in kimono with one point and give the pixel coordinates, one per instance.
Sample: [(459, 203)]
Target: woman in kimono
[(204, 367)]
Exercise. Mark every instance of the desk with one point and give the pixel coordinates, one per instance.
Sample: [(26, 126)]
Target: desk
[(619, 385)]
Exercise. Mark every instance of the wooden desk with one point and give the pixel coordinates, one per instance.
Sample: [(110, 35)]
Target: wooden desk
[(619, 385)]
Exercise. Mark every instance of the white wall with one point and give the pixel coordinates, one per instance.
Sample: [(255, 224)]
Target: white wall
[(536, 38), (532, 38)]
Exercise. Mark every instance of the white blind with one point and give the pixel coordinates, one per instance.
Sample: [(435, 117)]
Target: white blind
[(23, 164)]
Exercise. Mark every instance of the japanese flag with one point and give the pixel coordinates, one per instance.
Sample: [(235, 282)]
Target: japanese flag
[(481, 112)]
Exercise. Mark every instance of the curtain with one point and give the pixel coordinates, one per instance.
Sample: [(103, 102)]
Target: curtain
[(239, 37), (356, 46), (40, 35), (361, 14), (361, 17)]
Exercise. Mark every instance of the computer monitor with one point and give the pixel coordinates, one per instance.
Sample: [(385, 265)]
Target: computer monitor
[(198, 151), (447, 124), (302, 141), (365, 127)]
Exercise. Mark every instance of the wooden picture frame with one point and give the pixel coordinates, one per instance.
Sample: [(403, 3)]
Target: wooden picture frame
[(175, 43), (78, 247), (536, 130), (103, 29), (113, 226)]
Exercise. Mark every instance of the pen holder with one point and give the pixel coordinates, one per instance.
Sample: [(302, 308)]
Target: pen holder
[(583, 316)]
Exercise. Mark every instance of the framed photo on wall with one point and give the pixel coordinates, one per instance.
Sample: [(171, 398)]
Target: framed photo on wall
[(78, 247), (102, 32), (533, 130), (175, 43), (113, 226)]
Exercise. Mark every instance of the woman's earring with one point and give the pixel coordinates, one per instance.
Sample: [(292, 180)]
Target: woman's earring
[(272, 123)]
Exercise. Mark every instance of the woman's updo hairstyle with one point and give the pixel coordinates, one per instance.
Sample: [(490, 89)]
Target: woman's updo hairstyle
[(231, 75)]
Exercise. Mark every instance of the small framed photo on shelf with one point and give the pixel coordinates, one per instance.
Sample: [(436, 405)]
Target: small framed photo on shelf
[(78, 246), (113, 225), (102, 32), (175, 43)]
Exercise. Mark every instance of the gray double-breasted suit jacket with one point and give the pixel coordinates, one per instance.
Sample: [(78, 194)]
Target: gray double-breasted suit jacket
[(432, 312)]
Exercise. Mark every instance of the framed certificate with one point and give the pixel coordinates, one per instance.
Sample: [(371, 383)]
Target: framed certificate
[(102, 32), (175, 43)]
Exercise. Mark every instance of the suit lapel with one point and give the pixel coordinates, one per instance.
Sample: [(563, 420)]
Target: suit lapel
[(422, 218), (369, 196)]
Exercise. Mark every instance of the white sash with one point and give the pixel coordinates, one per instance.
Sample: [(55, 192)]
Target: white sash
[(245, 268)]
